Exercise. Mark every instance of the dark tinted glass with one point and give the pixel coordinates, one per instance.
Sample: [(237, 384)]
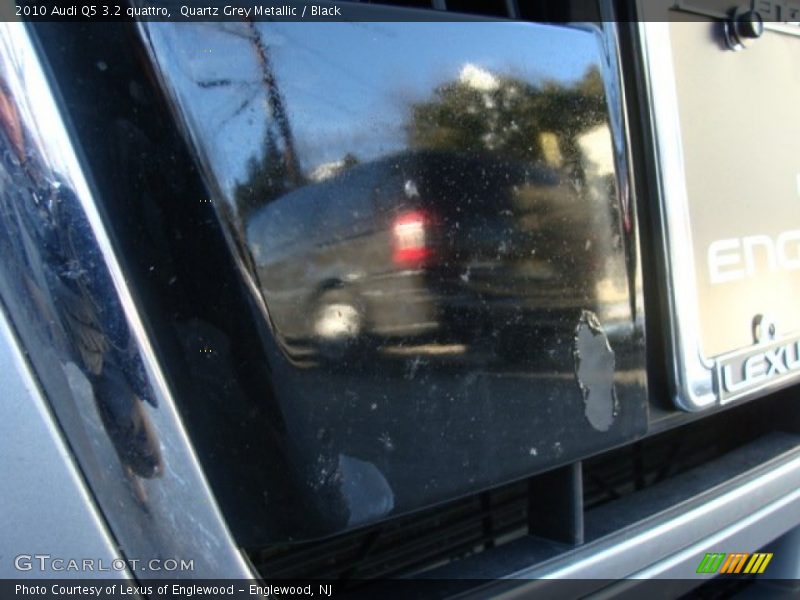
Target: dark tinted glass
[(430, 217)]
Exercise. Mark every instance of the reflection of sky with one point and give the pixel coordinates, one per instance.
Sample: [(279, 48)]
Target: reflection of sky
[(347, 86)]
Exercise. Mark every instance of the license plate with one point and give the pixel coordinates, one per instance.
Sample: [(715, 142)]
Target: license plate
[(728, 144)]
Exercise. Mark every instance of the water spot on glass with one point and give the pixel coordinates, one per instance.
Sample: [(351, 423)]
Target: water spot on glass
[(386, 441)]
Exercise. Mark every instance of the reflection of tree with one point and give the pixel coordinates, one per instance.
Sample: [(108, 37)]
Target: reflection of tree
[(276, 169), (478, 112), (276, 103), (267, 177), (481, 111)]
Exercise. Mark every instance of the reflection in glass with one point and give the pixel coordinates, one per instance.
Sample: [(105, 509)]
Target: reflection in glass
[(427, 211)]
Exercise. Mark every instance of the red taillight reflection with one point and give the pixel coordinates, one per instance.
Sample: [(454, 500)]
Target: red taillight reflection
[(410, 233)]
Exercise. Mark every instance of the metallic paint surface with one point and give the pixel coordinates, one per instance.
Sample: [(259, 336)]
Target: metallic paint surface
[(74, 315)]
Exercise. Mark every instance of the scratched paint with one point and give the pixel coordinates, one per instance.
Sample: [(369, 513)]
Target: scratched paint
[(594, 371)]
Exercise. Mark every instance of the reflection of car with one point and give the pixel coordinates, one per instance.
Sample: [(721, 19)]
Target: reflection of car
[(417, 243)]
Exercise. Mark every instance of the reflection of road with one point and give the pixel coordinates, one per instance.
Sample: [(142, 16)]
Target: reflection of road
[(421, 430)]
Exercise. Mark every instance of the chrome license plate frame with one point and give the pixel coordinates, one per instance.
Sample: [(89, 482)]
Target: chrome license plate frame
[(765, 352)]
